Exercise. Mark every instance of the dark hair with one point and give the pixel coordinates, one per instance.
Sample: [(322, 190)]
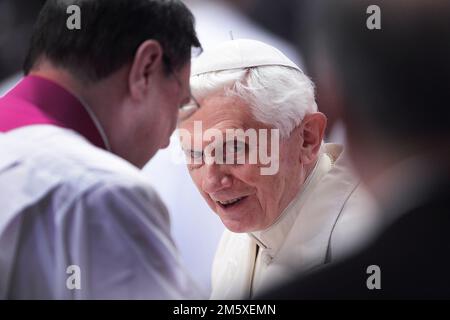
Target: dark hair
[(111, 32), (395, 80)]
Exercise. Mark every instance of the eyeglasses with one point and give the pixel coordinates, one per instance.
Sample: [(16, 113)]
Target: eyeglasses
[(187, 109)]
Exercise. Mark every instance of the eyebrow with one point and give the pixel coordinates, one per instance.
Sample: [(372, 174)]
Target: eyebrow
[(224, 144)]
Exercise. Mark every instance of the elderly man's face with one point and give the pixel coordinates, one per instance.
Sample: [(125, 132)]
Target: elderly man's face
[(260, 198)]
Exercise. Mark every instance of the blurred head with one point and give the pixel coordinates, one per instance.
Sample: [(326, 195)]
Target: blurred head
[(394, 83), (130, 62), (264, 97)]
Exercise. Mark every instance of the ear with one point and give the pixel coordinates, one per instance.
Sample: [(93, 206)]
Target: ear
[(147, 62), (312, 130)]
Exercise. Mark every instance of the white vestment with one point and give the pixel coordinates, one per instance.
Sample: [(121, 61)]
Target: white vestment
[(331, 216), (77, 222)]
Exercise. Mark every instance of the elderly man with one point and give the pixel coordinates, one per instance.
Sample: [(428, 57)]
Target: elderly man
[(303, 211)]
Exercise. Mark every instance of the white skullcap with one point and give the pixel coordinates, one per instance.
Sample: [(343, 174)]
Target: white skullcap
[(239, 54)]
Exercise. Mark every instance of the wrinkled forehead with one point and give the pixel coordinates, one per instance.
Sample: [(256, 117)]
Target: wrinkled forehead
[(221, 112)]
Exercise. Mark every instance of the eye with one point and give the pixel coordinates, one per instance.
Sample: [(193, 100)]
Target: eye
[(194, 154), (235, 147), (235, 152), (194, 158)]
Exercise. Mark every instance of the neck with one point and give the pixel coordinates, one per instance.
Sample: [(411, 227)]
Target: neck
[(99, 98), (62, 78)]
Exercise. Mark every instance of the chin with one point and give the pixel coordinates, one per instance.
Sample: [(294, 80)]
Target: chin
[(142, 161), (165, 144), (237, 226), (240, 217)]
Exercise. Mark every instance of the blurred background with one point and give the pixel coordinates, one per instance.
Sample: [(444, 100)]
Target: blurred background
[(17, 18)]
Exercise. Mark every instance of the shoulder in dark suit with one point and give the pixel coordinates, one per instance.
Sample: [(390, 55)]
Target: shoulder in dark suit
[(413, 255)]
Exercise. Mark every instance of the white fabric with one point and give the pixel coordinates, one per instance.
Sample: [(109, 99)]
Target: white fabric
[(329, 218), (65, 202), (240, 54)]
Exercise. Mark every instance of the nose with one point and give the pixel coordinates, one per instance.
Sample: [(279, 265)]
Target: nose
[(216, 178)]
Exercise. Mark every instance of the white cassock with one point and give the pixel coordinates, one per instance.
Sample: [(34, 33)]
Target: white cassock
[(331, 216)]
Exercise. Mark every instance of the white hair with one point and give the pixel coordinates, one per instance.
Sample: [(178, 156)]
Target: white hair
[(278, 96)]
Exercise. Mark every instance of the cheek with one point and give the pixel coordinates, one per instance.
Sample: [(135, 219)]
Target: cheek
[(168, 108), (145, 126), (246, 174), (248, 177), (197, 178), (270, 193), (169, 112)]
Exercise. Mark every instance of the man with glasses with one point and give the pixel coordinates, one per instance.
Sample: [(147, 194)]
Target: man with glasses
[(78, 220)]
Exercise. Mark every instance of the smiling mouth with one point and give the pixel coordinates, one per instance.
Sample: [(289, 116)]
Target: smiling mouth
[(231, 203)]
